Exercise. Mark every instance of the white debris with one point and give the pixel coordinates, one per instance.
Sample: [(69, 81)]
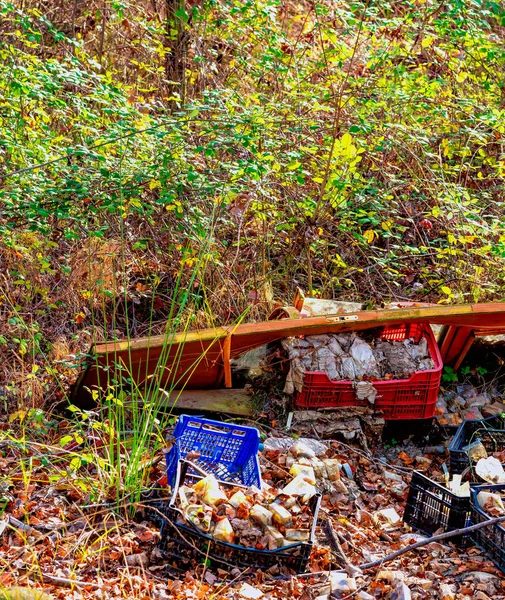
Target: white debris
[(460, 489), (366, 391), (348, 357), (348, 368), (388, 514), (299, 487), (338, 581), (249, 592), (364, 359), (490, 502), (401, 592), (302, 447), (490, 469)]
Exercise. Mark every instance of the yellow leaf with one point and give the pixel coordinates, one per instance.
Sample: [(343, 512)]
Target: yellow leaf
[(446, 290), (346, 140), (435, 211), (337, 260), (21, 414), (369, 235)]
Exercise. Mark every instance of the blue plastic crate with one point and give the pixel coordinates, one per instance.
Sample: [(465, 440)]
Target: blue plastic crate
[(228, 451)]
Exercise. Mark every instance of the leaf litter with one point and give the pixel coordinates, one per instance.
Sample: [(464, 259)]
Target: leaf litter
[(55, 539)]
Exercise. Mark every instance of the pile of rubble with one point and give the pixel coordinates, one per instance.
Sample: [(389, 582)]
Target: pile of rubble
[(264, 519), (347, 356), (468, 402)]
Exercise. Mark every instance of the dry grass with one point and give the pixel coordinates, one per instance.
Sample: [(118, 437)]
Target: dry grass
[(96, 272)]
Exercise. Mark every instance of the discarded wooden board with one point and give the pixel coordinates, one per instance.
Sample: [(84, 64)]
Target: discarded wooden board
[(457, 341), (201, 359), (232, 402)]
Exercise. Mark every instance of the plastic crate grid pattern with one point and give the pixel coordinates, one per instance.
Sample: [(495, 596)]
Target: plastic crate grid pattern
[(430, 506), (491, 538), (228, 451), (191, 541), (489, 431), (413, 398)]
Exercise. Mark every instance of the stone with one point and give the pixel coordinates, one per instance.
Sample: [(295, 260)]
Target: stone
[(447, 591)]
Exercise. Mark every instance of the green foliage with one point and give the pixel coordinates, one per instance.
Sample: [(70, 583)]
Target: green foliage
[(369, 136), (355, 149), (449, 375)]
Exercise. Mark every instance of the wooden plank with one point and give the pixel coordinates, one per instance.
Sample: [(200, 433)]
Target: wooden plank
[(232, 402), (195, 359), (446, 342), (461, 341), (250, 335), (464, 351)]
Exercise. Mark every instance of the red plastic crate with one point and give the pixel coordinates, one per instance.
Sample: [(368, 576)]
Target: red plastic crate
[(413, 398)]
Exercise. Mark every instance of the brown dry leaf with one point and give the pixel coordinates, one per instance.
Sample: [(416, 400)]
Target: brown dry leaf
[(405, 458)]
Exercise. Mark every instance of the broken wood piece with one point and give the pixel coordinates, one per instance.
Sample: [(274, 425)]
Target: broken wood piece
[(65, 581), (196, 357), (228, 401), (334, 543)]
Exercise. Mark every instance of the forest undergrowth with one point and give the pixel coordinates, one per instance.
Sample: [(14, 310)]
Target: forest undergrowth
[(177, 165)]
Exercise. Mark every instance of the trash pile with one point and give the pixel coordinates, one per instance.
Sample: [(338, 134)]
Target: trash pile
[(351, 549), (491, 503), (349, 357), (468, 402), (263, 519)]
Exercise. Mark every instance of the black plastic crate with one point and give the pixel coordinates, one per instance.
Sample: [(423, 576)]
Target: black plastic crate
[(492, 537), (489, 431), (431, 507), (155, 509), (190, 540)]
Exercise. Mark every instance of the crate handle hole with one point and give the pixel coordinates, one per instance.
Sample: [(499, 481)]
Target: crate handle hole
[(208, 427)]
